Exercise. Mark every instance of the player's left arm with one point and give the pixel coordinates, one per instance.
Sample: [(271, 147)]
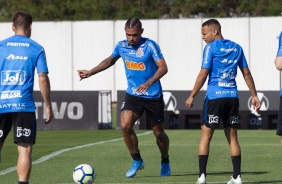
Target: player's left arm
[(161, 71), (45, 88), (251, 85)]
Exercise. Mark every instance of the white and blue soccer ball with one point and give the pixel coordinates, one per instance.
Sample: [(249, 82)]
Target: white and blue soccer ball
[(83, 174)]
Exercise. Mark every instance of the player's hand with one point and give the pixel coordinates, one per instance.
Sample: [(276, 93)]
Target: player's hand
[(49, 115), (142, 89), (255, 103), (83, 74), (189, 102)]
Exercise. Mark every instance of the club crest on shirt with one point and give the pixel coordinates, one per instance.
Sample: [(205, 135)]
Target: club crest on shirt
[(139, 52), (123, 44)]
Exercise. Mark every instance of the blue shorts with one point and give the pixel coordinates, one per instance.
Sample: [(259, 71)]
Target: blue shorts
[(154, 108), (219, 110), (23, 123)]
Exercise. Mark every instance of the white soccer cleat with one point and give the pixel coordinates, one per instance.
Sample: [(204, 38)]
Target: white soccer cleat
[(238, 180), (255, 112), (202, 179)]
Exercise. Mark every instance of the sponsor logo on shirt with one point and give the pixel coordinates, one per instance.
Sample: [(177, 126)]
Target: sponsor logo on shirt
[(135, 66), (13, 57), (224, 77), (226, 84), (10, 94), (12, 77), (224, 92), (17, 44), (228, 61), (13, 106), (228, 50), (224, 74)]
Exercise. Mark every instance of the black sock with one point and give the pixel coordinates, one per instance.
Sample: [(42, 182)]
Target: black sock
[(236, 162), (136, 156), (23, 182), (165, 160), (203, 160)]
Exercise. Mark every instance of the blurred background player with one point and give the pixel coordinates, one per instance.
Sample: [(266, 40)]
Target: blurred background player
[(19, 57), (221, 58), (144, 65), (278, 64)]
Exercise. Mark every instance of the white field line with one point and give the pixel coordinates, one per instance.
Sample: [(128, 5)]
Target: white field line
[(214, 182), (51, 155)]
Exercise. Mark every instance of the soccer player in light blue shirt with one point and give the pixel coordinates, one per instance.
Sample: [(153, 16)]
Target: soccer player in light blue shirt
[(278, 64), (140, 65), (221, 58), (144, 66), (19, 57)]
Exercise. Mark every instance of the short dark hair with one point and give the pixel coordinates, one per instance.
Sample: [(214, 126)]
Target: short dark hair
[(133, 22), (22, 19), (212, 22)]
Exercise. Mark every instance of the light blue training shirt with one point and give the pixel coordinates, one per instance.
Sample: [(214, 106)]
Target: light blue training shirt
[(140, 65), (222, 58), (279, 52), (19, 56)]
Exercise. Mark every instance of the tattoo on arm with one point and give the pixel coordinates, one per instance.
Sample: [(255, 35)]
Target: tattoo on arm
[(42, 74)]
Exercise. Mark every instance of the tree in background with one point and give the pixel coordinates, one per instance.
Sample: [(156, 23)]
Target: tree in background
[(225, 8), (74, 10)]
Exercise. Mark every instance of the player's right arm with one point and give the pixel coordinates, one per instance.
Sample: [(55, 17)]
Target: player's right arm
[(200, 81), (278, 59), (105, 64), (278, 63)]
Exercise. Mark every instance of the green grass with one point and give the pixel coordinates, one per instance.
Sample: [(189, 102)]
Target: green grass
[(261, 157)]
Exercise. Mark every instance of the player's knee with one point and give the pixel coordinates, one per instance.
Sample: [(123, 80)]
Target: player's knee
[(126, 127), (159, 135)]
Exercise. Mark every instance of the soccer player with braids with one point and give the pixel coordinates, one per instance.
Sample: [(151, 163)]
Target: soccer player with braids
[(144, 66)]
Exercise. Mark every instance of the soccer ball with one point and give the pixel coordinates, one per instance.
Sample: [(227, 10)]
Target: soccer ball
[(83, 174)]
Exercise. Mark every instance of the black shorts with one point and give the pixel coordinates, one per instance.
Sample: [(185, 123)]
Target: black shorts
[(154, 108), (279, 123), (23, 123), (221, 110)]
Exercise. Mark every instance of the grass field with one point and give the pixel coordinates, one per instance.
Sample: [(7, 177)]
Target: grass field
[(57, 153)]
